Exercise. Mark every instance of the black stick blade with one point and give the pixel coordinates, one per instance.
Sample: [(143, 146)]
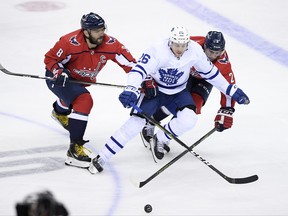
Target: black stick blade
[(245, 180), (141, 184)]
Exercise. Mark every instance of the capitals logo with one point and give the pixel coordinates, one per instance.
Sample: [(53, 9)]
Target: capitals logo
[(223, 60), (73, 41), (171, 76), (87, 73), (111, 40)]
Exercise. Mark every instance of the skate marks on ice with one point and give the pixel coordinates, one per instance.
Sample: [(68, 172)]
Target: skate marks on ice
[(16, 162)]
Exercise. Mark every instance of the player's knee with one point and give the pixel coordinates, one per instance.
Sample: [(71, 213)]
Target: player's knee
[(83, 103), (191, 107), (187, 117)]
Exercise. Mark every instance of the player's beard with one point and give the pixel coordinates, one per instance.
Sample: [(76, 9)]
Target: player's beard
[(96, 41)]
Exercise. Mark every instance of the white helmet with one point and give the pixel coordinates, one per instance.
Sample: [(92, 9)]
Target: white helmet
[(179, 35)]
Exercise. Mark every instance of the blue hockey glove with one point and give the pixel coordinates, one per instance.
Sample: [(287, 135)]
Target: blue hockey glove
[(61, 76), (237, 94), (129, 95), (150, 88)]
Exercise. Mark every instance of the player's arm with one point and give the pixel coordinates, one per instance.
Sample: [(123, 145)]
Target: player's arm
[(56, 56), (225, 69), (123, 57), (212, 75), (224, 117), (136, 76), (54, 60)]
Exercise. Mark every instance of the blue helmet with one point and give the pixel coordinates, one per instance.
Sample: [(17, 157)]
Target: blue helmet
[(215, 41), (92, 21)]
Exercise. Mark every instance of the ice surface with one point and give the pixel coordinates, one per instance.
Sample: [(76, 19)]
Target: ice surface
[(33, 146)]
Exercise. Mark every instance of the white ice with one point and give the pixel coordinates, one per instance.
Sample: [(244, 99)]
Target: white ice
[(33, 146)]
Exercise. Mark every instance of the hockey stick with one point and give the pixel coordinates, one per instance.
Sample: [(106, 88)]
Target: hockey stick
[(142, 183), (243, 180), (4, 70)]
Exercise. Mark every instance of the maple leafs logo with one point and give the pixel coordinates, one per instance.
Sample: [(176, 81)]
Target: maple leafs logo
[(171, 76)]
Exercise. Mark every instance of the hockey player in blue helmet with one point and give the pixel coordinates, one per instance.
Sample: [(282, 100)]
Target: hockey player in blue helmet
[(93, 21), (214, 45), (214, 40), (81, 55)]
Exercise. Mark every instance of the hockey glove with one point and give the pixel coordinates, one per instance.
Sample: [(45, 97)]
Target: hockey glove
[(129, 95), (150, 88), (61, 76), (237, 94), (224, 118)]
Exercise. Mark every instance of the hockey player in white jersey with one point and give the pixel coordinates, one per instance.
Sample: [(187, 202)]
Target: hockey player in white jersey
[(168, 63)]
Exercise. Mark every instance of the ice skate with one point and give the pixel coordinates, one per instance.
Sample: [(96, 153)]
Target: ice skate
[(61, 119), (158, 149), (96, 165), (146, 134), (76, 155)]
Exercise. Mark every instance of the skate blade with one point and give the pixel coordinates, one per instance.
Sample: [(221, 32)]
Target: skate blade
[(76, 163)]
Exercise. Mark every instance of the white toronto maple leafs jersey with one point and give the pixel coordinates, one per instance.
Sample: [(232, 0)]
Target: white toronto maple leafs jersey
[(172, 73)]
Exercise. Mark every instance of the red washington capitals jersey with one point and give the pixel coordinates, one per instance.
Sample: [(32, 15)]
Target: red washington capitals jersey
[(225, 68), (72, 52)]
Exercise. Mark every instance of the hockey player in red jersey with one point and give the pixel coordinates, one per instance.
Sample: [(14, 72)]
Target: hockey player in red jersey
[(214, 47), (80, 55)]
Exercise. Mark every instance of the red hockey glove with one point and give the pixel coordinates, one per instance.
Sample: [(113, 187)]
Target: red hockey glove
[(61, 76), (224, 118), (150, 88)]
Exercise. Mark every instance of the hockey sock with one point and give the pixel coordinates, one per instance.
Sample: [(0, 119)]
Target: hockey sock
[(77, 126), (118, 140)]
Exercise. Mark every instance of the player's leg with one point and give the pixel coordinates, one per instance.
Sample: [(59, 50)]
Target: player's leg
[(79, 101), (200, 91), (78, 120), (125, 133), (184, 120)]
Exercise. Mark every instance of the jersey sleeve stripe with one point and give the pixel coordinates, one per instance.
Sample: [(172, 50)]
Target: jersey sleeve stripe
[(136, 71), (212, 77)]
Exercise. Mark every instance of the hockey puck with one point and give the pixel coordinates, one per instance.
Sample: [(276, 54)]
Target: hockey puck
[(148, 208)]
